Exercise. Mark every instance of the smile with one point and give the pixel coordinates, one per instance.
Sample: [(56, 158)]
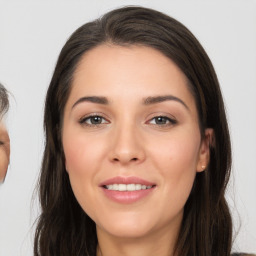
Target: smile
[(127, 187), (127, 190)]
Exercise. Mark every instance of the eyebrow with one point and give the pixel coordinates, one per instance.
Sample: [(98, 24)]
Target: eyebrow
[(147, 101), (93, 99), (159, 99)]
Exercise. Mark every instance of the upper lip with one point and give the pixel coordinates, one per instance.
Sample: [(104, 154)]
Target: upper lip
[(126, 180)]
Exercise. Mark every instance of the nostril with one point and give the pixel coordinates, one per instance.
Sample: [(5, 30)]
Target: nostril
[(133, 159)]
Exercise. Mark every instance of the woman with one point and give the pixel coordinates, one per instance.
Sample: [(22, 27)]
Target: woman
[(137, 154), (4, 137)]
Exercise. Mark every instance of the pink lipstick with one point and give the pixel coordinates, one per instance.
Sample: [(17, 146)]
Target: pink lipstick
[(127, 189)]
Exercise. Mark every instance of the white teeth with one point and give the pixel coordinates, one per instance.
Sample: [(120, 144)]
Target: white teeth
[(127, 187), (115, 187), (130, 187), (138, 187), (122, 187)]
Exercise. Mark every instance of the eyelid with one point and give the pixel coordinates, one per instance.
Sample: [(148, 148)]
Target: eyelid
[(172, 120), (162, 114), (85, 117)]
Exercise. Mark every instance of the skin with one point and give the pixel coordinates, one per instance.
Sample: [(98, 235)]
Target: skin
[(130, 142), (4, 151)]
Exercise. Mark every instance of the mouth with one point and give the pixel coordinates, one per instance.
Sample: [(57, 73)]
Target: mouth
[(122, 183), (127, 189)]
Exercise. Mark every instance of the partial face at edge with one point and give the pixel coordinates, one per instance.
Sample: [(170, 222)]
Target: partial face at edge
[(130, 114), (4, 151)]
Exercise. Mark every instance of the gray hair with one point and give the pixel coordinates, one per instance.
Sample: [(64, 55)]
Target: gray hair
[(4, 100)]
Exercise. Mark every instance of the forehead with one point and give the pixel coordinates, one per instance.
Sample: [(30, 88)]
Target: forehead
[(130, 71), (135, 61)]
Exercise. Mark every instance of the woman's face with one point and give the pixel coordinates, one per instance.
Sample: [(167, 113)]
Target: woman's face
[(4, 151), (131, 140)]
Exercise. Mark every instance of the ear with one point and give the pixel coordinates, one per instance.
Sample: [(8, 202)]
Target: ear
[(204, 151)]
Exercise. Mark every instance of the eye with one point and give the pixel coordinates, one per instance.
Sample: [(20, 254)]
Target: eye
[(93, 120), (162, 120)]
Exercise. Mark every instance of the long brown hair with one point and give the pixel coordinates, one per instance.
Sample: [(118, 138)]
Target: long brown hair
[(63, 228)]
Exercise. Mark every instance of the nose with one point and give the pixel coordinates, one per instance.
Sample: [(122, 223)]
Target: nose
[(127, 146)]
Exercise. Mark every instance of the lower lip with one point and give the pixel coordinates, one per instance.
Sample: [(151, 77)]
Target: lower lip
[(127, 197)]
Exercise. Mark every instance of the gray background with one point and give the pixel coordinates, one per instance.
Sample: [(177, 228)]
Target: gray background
[(31, 36)]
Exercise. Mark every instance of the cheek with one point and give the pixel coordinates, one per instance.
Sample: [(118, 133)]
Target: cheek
[(180, 149), (83, 155), (176, 159), (4, 161)]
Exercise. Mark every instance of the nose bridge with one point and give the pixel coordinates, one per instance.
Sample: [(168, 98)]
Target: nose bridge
[(126, 143)]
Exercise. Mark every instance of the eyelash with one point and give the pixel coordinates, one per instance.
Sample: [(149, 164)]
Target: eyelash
[(168, 121), (83, 120)]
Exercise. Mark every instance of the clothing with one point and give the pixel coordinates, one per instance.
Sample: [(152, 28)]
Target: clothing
[(242, 254)]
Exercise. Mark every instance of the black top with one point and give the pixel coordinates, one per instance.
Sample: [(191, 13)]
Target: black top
[(242, 254)]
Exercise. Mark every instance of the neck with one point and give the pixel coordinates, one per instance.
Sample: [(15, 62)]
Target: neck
[(160, 242)]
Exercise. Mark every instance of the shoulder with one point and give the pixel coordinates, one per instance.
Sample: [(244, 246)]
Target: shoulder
[(242, 254)]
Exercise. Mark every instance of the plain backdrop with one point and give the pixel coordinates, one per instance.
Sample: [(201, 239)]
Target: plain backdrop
[(31, 37)]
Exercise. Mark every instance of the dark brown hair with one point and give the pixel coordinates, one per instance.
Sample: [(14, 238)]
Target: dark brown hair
[(4, 101), (63, 227)]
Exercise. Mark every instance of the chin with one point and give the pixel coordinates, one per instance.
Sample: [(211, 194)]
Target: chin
[(122, 231), (126, 227)]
